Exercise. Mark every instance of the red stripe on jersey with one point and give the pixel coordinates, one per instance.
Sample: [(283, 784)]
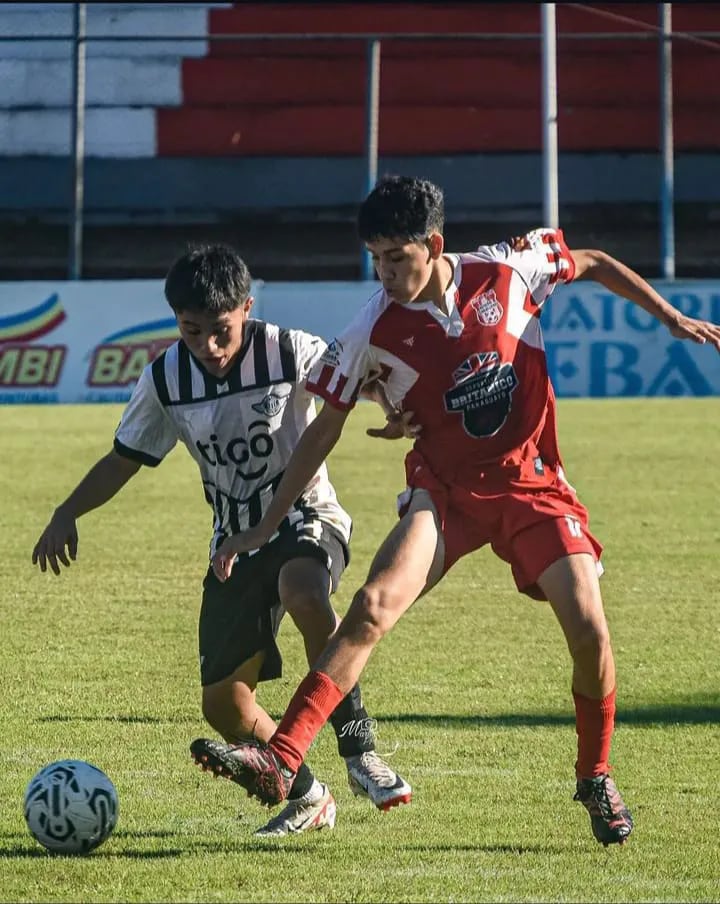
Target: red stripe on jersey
[(560, 256), (321, 387)]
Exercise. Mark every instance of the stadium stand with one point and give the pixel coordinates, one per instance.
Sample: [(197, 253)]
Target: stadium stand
[(289, 98), (261, 142)]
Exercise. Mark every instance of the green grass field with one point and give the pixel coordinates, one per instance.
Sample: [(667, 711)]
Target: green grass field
[(471, 690)]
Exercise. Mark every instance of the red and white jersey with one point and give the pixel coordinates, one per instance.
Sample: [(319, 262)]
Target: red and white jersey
[(476, 378)]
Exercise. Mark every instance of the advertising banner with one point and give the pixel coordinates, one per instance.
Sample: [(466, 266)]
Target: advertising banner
[(85, 341), (88, 341)]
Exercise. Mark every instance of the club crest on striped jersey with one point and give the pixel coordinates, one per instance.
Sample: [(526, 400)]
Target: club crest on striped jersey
[(488, 309), (271, 405)]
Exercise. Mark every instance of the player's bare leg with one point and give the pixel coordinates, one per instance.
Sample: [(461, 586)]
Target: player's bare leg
[(571, 584), (409, 562), (231, 708), (304, 590)]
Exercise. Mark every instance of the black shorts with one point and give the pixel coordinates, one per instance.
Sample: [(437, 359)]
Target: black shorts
[(242, 616)]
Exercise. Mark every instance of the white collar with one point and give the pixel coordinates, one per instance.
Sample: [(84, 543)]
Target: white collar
[(452, 321)]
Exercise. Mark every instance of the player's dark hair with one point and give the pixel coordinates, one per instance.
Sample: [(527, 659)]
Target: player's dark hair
[(401, 207), (211, 279)]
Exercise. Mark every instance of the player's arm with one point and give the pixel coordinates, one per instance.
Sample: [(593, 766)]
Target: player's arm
[(621, 280), (100, 484), (314, 446)]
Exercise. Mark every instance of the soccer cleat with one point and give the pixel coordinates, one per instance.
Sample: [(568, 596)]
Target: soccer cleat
[(610, 818), (370, 776), (249, 764), (302, 815)]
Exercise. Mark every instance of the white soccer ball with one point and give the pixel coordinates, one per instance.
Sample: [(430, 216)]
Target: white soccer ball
[(71, 807)]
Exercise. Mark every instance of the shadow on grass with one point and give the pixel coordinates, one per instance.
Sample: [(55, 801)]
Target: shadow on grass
[(17, 847), (669, 714), (141, 720), (487, 848), (22, 852)]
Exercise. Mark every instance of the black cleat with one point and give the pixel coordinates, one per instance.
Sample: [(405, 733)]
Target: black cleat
[(610, 818), (249, 764)]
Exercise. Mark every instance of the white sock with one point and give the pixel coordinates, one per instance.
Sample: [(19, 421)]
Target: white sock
[(315, 793)]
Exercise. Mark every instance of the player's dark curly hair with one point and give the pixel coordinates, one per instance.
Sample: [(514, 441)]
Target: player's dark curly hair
[(211, 279), (401, 207)]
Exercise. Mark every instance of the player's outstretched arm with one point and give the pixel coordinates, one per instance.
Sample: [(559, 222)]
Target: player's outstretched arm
[(100, 484), (314, 446), (614, 275)]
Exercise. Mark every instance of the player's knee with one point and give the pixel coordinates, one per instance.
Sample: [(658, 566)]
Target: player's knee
[(590, 640), (311, 611), (370, 616)]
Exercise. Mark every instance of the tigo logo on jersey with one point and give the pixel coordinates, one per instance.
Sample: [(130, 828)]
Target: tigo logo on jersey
[(488, 309), (240, 450), (31, 365), (120, 358)]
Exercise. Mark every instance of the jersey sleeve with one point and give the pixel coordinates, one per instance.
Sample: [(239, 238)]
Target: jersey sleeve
[(544, 261), (145, 433), (308, 350), (345, 365)]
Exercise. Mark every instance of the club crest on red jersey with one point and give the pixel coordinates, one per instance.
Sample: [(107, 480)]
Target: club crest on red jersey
[(482, 393), (487, 308)]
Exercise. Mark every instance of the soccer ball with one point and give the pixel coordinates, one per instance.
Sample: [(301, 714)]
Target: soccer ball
[(71, 807)]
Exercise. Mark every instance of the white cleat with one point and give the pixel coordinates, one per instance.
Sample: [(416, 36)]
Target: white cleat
[(370, 776), (311, 811)]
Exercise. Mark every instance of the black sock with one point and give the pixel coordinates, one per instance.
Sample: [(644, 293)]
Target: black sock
[(353, 727), (302, 784)]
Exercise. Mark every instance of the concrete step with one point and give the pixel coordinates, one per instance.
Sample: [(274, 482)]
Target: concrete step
[(179, 20), (109, 82)]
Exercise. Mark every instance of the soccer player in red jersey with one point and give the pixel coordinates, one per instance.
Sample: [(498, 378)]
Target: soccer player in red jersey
[(455, 341)]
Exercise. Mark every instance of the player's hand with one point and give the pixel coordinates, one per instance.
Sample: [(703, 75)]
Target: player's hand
[(519, 242), (700, 331), (231, 547), (397, 426), (60, 534)]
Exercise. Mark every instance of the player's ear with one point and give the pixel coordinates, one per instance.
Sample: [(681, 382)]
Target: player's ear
[(435, 243), (248, 304)]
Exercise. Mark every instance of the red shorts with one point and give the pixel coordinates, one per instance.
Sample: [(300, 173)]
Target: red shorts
[(528, 528)]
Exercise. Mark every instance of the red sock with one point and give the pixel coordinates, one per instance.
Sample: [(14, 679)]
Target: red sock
[(311, 706), (594, 723)]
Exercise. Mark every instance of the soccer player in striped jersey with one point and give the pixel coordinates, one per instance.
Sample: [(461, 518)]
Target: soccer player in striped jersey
[(456, 340), (233, 391)]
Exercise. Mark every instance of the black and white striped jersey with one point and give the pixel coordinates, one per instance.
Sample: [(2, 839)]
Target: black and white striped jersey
[(241, 429)]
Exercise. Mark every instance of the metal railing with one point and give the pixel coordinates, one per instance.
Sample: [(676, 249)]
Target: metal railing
[(548, 37)]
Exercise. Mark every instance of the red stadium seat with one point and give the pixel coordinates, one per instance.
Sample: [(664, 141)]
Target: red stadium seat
[(308, 97)]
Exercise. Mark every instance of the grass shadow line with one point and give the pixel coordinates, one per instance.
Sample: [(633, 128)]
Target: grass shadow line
[(130, 720), (666, 714)]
